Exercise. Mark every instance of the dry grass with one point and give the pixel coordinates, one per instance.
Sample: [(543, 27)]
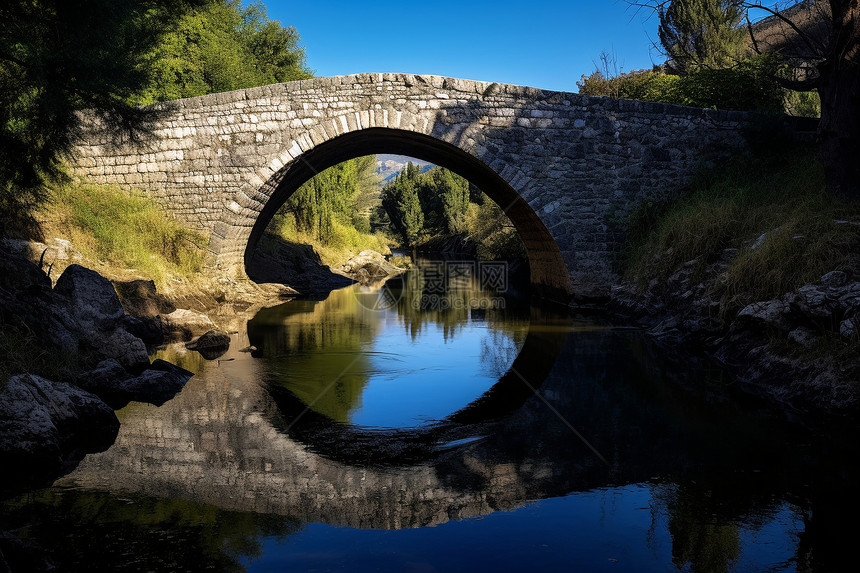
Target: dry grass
[(125, 230), (773, 210)]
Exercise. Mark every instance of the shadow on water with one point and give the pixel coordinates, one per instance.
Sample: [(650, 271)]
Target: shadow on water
[(609, 457)]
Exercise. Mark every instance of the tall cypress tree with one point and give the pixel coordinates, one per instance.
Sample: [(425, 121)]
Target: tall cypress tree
[(701, 33)]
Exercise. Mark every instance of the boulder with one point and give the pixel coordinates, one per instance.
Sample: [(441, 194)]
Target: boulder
[(211, 344), (182, 324), (141, 298), (813, 302), (47, 427), (803, 336), (113, 384), (834, 279), (847, 329), (771, 314), (89, 308), (367, 266), (148, 329), (90, 298)]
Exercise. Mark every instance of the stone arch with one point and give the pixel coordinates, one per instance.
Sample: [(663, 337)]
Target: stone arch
[(549, 275)]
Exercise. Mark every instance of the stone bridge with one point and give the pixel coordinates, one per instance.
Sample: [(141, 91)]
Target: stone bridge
[(566, 168)]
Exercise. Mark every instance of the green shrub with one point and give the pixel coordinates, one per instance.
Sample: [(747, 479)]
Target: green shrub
[(748, 85)]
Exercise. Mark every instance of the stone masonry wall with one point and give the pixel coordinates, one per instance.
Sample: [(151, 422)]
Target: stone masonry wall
[(580, 162)]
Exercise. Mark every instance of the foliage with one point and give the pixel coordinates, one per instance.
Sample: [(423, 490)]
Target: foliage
[(58, 57), (773, 210), (332, 211), (221, 47), (343, 193), (701, 33), (426, 203), (748, 85), (495, 235), (803, 104), (126, 229), (400, 199)]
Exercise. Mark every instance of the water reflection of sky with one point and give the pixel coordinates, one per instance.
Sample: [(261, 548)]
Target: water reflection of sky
[(383, 357), (609, 529), (415, 380)]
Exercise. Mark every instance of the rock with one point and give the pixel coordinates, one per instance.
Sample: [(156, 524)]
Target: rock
[(90, 309), (367, 266), (26, 299), (113, 384), (847, 329), (90, 298), (19, 275), (149, 330), (141, 298), (803, 336), (182, 321), (211, 345), (126, 348), (54, 250), (773, 314), (813, 302), (46, 427), (834, 279)]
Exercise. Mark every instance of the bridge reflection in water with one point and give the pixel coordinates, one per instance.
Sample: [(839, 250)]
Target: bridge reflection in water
[(581, 408)]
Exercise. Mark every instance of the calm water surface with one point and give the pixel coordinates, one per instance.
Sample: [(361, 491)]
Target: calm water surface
[(418, 427)]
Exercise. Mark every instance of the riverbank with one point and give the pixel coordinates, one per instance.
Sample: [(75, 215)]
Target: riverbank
[(755, 267)]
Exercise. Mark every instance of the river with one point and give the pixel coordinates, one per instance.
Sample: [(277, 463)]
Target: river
[(438, 422)]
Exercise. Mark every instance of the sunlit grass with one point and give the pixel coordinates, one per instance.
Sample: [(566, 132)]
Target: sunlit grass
[(127, 230), (787, 231), (343, 242)]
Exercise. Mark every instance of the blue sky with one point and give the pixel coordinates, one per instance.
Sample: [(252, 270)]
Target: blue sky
[(541, 44)]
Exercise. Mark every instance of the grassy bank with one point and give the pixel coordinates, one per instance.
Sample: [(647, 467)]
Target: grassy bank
[(772, 209), (342, 242), (124, 230)]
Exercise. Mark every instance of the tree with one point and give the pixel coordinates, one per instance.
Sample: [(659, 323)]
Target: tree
[(58, 57), (822, 49), (696, 33), (400, 200), (221, 47), (454, 191)]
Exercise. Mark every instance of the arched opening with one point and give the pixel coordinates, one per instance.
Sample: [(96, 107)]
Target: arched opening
[(548, 272)]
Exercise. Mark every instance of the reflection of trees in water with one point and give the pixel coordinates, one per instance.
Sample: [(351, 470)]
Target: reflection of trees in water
[(701, 541), (498, 351), (321, 347), (98, 531), (431, 296)]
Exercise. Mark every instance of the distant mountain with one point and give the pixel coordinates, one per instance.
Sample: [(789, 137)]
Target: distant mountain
[(389, 166)]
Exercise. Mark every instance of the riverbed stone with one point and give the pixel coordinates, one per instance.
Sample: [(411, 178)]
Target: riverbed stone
[(182, 324), (90, 298), (769, 314), (804, 337), (155, 385), (46, 425), (211, 344)]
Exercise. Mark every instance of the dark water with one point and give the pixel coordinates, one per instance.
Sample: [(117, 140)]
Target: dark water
[(432, 424)]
